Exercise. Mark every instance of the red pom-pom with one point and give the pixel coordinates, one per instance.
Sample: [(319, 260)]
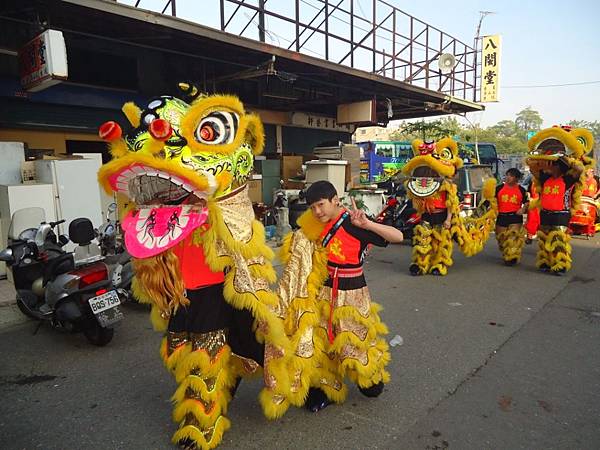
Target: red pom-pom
[(110, 131), (160, 129)]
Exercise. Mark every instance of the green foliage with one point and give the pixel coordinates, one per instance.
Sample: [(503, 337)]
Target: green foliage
[(510, 136)]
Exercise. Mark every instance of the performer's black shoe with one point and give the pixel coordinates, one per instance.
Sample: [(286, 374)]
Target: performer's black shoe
[(436, 272), (372, 391), (510, 262), (544, 267), (528, 241), (559, 272), (187, 444), (316, 400), (414, 270)]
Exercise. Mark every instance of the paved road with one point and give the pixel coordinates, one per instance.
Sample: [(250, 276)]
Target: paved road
[(493, 357)]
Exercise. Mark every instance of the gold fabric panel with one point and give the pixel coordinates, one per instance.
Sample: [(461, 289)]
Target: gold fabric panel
[(306, 347), (174, 340), (360, 299), (271, 352), (249, 365), (350, 351), (238, 215), (212, 342), (293, 281)]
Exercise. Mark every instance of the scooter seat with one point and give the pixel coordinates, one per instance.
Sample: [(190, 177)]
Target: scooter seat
[(57, 266)]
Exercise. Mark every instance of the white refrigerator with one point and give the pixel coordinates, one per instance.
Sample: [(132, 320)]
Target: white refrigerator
[(76, 189)]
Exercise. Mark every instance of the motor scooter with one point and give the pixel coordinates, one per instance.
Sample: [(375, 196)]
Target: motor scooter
[(112, 247), (399, 212), (68, 290)]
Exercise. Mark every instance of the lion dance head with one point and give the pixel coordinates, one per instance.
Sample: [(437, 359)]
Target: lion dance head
[(432, 163), (175, 159)]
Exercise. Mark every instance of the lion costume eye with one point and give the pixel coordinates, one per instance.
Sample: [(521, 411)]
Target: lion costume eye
[(217, 128), (446, 154)]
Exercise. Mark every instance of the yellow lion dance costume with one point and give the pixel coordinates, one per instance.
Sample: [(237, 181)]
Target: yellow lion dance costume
[(183, 170), (434, 196), (556, 159)]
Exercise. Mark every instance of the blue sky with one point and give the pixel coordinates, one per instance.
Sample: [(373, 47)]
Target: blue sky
[(544, 43), (548, 42)]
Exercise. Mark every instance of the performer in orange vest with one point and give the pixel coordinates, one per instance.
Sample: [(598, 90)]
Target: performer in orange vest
[(512, 203), (345, 337), (557, 180)]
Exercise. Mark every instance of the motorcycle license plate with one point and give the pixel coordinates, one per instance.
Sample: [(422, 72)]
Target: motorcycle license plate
[(106, 308)]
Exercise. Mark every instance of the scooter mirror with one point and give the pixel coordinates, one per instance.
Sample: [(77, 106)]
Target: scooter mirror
[(6, 255)]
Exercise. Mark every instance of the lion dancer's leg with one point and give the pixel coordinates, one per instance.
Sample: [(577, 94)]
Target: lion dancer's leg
[(198, 351), (357, 347), (422, 249), (543, 259), (441, 258), (511, 240), (205, 377), (559, 249)]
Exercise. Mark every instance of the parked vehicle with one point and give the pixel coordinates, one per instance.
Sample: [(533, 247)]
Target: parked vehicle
[(470, 180), (399, 211), (71, 291), (111, 240)]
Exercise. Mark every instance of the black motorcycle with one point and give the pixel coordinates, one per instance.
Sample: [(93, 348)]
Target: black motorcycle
[(69, 290)]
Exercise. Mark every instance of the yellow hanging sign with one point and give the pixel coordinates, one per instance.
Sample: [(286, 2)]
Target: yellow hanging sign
[(490, 68)]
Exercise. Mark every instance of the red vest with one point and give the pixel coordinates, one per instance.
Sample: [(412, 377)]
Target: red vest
[(438, 200), (510, 198), (343, 247), (590, 188), (555, 195), (194, 270)]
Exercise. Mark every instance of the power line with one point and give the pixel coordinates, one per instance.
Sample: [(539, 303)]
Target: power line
[(550, 85)]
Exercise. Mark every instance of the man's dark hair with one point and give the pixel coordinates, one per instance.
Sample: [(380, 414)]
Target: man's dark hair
[(320, 190), (515, 173)]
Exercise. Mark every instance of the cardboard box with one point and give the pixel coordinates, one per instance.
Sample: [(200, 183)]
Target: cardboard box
[(28, 172), (255, 191), (290, 167)]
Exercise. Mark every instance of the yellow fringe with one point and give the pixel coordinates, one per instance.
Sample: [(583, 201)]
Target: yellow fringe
[(195, 434)]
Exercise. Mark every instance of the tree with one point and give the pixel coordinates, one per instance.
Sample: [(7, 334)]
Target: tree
[(529, 119), (436, 129), (506, 128)]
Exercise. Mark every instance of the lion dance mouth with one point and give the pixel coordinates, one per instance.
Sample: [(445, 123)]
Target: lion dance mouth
[(168, 208), (175, 160)]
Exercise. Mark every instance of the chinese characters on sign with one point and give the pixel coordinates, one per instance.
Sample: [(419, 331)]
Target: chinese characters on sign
[(490, 68), (321, 122), (43, 61)]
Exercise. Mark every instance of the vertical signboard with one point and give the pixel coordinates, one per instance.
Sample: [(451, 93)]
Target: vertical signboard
[(43, 61), (490, 68)]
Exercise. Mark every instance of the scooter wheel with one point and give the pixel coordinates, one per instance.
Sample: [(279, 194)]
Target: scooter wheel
[(98, 335), (24, 309)]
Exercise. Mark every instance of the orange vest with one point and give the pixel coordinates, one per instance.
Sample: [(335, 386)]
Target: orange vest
[(555, 195), (194, 270), (343, 247), (590, 188), (510, 198), (438, 200)]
